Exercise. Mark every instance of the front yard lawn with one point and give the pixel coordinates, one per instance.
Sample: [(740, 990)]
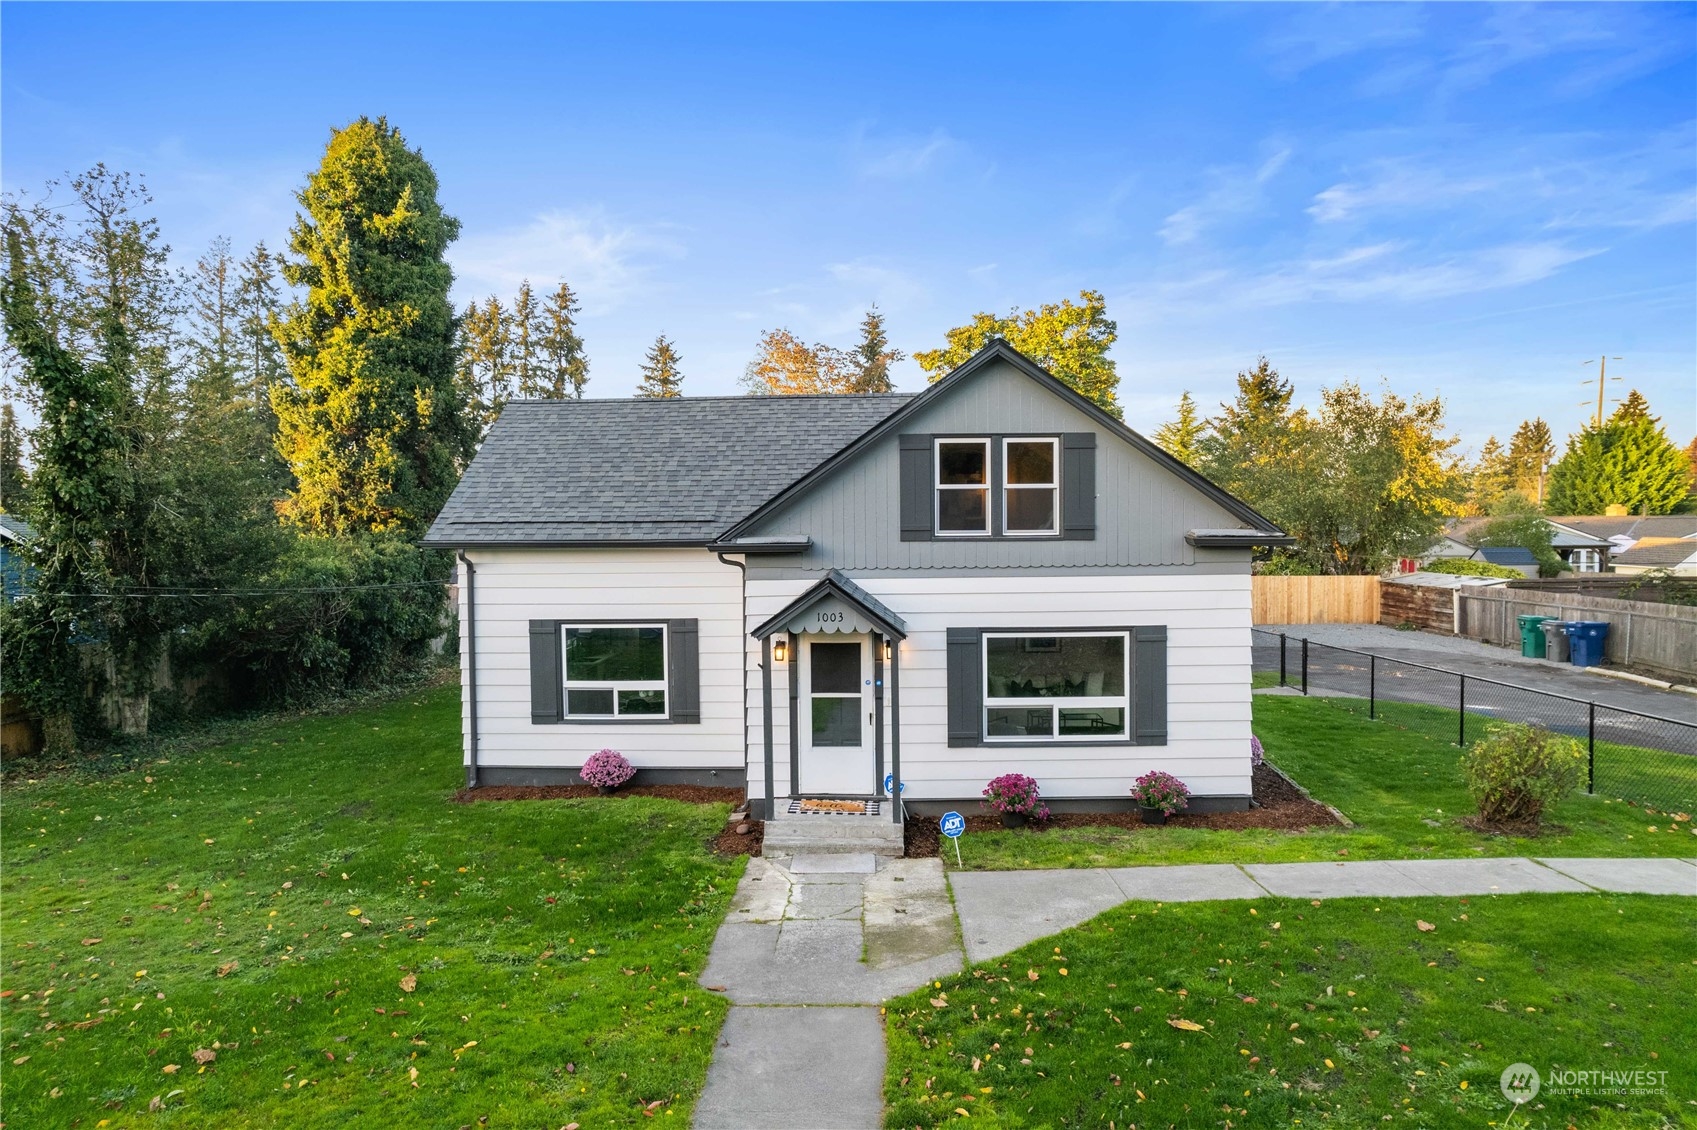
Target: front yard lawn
[(1350, 1012), (1401, 787), (301, 929)]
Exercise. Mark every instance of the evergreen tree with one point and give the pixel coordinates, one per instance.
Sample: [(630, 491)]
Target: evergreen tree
[(1530, 450), (1629, 462), (1492, 477), (14, 479), (1070, 341), (213, 327), (258, 306), (564, 368), (1248, 447), (1182, 437), (526, 335), (486, 365), (661, 379), (871, 359), (371, 421)]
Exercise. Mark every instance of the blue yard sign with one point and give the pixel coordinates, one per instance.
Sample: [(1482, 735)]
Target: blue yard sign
[(890, 785), (952, 825)]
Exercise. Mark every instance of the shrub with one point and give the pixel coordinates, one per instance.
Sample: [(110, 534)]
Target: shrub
[(1517, 772), (1465, 567), (1160, 790), (607, 769), (1257, 755), (1015, 794)]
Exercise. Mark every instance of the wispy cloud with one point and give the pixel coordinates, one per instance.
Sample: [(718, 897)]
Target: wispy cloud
[(1319, 33), (606, 261), (1236, 192), (899, 158)]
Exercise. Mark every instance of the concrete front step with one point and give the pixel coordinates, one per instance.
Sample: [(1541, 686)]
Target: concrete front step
[(833, 835)]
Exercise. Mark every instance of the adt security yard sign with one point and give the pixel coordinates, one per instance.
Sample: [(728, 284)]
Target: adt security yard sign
[(952, 825), (890, 785)]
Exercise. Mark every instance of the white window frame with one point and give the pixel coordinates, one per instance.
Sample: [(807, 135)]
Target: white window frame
[(570, 685), (1586, 560), (1088, 702), (1053, 486), (938, 486)]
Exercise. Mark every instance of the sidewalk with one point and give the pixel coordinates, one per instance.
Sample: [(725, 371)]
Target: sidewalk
[(1001, 911)]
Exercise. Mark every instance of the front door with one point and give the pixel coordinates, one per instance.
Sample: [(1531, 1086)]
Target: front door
[(836, 716)]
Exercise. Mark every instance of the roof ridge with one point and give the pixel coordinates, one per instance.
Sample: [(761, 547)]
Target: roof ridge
[(743, 399)]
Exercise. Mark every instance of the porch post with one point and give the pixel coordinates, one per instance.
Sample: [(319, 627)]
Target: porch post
[(896, 732), (878, 714), (795, 715), (766, 718)]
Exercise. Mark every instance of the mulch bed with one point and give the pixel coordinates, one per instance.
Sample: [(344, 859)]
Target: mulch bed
[(689, 794), (1279, 804), (729, 842)]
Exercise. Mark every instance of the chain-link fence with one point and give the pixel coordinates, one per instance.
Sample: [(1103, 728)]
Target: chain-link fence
[(1630, 755)]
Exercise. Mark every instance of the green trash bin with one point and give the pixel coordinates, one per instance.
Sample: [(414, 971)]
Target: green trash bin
[(1532, 636)]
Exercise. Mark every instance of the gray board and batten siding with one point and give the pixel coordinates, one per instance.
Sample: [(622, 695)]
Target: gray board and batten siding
[(1143, 509)]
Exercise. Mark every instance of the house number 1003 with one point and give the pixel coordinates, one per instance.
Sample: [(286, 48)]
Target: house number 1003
[(830, 617)]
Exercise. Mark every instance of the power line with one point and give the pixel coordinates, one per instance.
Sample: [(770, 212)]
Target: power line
[(166, 593)]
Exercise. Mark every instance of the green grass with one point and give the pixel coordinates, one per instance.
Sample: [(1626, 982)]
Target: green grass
[(1339, 1014), (265, 900), (1402, 788)]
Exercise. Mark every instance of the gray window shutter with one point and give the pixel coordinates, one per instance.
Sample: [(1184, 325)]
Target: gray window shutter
[(1149, 685), (683, 680), (1078, 486), (546, 686), (916, 487), (966, 687)]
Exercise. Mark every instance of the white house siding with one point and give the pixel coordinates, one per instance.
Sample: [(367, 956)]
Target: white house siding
[(514, 587), (1208, 678)]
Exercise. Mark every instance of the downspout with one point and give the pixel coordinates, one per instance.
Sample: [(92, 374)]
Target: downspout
[(471, 667), (743, 706)]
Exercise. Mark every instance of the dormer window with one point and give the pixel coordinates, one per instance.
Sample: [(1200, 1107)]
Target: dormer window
[(1028, 498), (963, 486)]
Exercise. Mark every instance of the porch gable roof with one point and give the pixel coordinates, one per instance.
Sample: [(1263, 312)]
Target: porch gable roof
[(836, 585)]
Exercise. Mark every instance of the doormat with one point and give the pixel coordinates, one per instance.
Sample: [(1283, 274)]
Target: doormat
[(833, 808)]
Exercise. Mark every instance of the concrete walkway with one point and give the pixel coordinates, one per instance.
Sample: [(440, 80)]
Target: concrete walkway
[(811, 947), (1001, 911)]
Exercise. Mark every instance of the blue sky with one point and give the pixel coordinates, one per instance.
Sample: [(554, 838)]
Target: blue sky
[(1461, 199)]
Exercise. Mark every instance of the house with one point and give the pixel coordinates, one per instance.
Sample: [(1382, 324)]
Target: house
[(14, 572), (1623, 531), (1511, 556), (1652, 554), (1579, 551), (821, 596)]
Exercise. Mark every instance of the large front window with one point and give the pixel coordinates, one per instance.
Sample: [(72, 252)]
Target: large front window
[(1061, 687), (615, 670)]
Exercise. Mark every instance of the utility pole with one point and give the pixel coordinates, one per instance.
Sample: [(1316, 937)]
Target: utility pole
[(1602, 379)]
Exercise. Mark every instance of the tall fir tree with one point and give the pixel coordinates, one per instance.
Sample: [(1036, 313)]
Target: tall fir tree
[(1070, 340), (370, 421), (526, 335), (214, 327), (1181, 437), (485, 366), (1247, 447), (661, 377), (871, 358), (1628, 462), (14, 478), (1530, 450), (1492, 477), (564, 368)]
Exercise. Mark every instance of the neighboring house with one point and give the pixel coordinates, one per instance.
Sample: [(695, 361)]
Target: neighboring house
[(1676, 555), (1622, 532), (1512, 556), (14, 573), (805, 595), (1579, 551)]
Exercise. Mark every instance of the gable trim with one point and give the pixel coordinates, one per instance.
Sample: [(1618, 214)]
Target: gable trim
[(999, 350), (835, 584)]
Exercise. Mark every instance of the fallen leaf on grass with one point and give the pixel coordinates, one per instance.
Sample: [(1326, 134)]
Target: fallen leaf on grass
[(229, 967), (1423, 926), (412, 1074), (204, 1055), (409, 983), (1125, 1045), (171, 1068), (92, 941), (939, 1002), (85, 1025), (22, 1059), (1186, 1025), (1031, 974)]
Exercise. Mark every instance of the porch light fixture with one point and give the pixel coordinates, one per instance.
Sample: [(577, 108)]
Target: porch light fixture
[(889, 649), (780, 649)]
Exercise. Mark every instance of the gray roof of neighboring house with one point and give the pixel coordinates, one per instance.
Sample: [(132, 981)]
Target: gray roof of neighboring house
[(678, 471), (1664, 554), (1654, 526), (1506, 555), (13, 528), (1442, 580), (1461, 530)]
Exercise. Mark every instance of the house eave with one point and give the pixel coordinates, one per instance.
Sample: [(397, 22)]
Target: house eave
[(798, 543), (1237, 539)]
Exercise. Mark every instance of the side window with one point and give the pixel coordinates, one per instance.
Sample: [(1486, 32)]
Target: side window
[(1031, 470), (963, 486), (615, 670)]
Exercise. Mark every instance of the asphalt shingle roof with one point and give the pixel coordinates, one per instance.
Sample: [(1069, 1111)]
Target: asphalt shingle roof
[(1507, 555), (1667, 553), (563, 472)]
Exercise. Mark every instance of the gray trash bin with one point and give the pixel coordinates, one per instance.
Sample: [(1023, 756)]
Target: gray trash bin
[(1555, 640)]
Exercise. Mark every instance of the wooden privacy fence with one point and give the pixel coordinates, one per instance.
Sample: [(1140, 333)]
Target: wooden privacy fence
[(1315, 600), (1662, 637)]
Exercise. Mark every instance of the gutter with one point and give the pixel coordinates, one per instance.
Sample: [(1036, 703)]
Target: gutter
[(471, 666)]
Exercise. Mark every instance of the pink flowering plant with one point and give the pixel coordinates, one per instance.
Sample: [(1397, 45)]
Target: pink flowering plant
[(607, 769), (1257, 755), (1160, 790), (1015, 794)]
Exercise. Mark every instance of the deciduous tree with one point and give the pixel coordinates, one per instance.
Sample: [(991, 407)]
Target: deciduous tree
[(784, 365), (1070, 340), (370, 421)]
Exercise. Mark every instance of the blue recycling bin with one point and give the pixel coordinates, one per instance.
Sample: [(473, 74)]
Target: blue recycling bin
[(1586, 638)]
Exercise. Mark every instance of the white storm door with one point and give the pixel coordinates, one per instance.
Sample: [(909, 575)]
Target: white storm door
[(836, 716)]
